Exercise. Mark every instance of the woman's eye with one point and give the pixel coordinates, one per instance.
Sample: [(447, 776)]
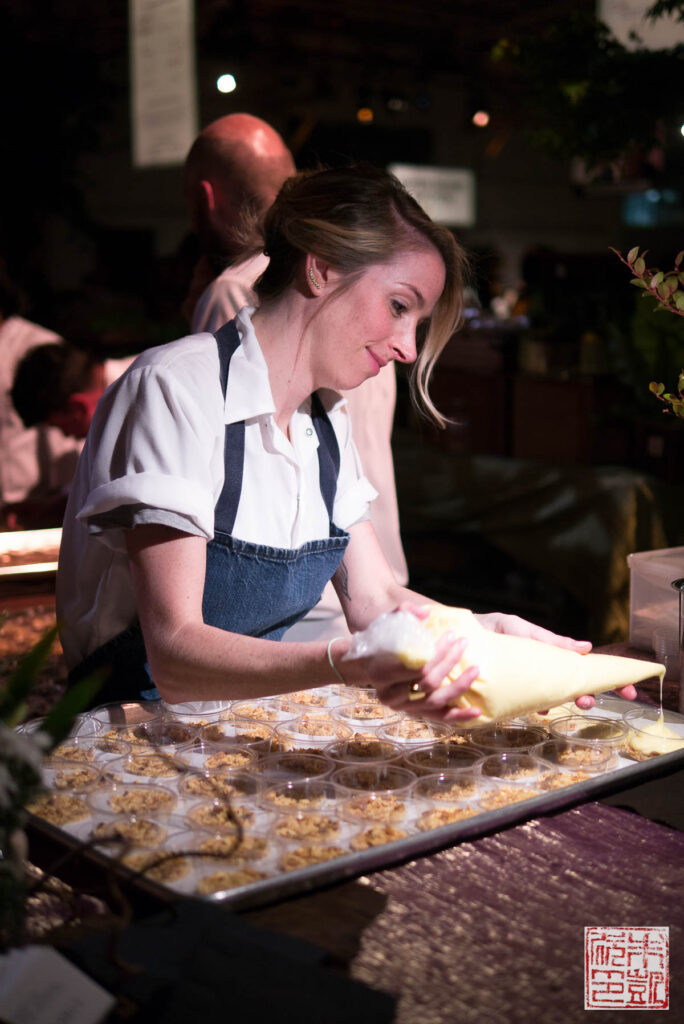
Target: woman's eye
[(398, 307)]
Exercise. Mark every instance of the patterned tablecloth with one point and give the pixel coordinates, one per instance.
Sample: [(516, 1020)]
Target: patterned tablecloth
[(492, 931)]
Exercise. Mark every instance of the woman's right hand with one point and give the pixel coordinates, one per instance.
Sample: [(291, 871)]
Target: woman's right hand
[(399, 687)]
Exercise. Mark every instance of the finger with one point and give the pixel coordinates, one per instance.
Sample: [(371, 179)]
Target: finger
[(585, 702), (627, 692), (443, 695)]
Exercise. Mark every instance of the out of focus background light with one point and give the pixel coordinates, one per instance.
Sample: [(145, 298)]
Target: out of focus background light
[(364, 115), (481, 118), (226, 83)]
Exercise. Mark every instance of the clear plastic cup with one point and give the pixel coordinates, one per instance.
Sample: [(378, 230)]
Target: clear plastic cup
[(236, 786), (575, 756), (646, 739), (441, 756), (239, 732), (366, 715), (144, 765), (412, 731), (508, 736), (292, 765), (512, 777), (139, 798), (90, 749), (601, 731), (311, 731), (363, 748)]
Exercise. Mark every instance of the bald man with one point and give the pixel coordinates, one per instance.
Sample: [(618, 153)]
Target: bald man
[(236, 167)]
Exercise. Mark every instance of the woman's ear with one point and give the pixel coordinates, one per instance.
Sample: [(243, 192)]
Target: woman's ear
[(317, 274)]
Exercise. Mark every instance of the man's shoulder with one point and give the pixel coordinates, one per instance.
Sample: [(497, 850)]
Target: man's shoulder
[(17, 333)]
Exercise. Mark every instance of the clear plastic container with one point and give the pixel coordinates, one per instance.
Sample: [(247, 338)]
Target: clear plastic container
[(441, 756), (236, 786), (512, 777), (205, 755), (149, 765), (575, 756), (270, 710), (239, 732), (292, 765), (647, 738), (300, 795), (363, 748), (601, 731), (508, 736), (90, 749), (366, 715), (311, 732), (137, 798), (376, 778), (124, 721), (412, 731), (456, 786), (70, 777)]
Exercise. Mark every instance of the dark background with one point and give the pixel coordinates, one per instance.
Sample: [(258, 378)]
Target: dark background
[(101, 251)]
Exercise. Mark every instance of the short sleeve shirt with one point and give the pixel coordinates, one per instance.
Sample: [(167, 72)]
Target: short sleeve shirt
[(154, 453)]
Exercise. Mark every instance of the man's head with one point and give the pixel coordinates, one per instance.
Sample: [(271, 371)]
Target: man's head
[(234, 170), (59, 385)]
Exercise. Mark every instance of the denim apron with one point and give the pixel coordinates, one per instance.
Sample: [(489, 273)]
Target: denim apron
[(253, 589)]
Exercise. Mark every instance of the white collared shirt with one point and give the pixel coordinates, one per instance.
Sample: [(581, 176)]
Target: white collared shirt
[(154, 453)]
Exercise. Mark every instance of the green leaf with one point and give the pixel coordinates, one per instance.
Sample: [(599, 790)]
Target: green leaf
[(22, 679), (59, 721), (678, 259), (638, 283), (632, 254), (639, 266), (656, 388), (657, 278), (680, 382), (678, 409), (678, 299)]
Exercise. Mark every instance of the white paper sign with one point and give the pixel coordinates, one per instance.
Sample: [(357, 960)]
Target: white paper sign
[(447, 194), (163, 85), (40, 986), (625, 16)]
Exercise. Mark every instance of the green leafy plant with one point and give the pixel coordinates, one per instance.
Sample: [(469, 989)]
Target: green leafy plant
[(667, 288)]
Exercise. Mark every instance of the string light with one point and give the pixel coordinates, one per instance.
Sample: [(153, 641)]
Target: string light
[(226, 83)]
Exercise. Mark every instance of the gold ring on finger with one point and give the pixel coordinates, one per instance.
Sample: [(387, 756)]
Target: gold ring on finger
[(415, 692)]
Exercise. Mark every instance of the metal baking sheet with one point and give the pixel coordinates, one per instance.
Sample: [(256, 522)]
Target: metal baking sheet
[(292, 883), (27, 543)]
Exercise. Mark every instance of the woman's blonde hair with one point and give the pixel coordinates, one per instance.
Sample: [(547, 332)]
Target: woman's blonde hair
[(353, 217)]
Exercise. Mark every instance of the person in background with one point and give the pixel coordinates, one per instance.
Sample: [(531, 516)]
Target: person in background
[(37, 462), (60, 386), (233, 171)]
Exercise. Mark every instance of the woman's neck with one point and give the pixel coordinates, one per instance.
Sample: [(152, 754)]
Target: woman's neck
[(281, 328)]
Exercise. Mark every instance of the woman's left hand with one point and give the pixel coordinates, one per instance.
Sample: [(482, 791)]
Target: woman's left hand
[(499, 622)]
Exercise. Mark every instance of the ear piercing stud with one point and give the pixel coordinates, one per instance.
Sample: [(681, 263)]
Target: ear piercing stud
[(314, 282)]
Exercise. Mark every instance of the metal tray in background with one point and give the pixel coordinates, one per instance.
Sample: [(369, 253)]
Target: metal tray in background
[(292, 883)]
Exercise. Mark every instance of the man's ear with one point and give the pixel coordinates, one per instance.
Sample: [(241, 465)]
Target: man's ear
[(207, 197)]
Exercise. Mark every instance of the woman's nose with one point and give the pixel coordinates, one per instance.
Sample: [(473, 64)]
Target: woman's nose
[(404, 345)]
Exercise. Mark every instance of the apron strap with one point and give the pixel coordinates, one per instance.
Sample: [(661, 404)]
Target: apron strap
[(227, 341)]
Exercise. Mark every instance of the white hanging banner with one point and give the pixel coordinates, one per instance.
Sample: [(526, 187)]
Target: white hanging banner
[(447, 194), (163, 85)]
